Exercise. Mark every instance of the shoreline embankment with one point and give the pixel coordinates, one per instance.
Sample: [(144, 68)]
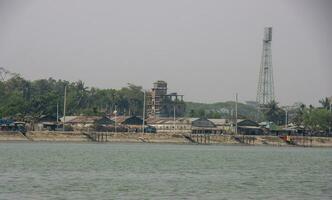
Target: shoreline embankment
[(171, 138)]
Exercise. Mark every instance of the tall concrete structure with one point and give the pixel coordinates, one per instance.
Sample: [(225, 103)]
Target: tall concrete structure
[(158, 91), (161, 104), (265, 89)]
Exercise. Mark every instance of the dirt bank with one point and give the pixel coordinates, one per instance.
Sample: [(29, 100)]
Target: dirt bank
[(58, 136), (12, 136), (176, 138)]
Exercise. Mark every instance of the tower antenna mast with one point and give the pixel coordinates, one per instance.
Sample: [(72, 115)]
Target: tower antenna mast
[(265, 89)]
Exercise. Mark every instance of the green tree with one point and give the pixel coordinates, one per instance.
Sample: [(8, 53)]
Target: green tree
[(325, 103), (38, 97), (299, 115), (214, 115), (317, 119), (192, 113), (201, 113), (274, 113)]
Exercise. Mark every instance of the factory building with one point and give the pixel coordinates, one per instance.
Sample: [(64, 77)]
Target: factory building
[(161, 104)]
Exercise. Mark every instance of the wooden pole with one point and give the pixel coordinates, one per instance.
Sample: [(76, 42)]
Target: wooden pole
[(115, 112), (236, 114), (174, 118), (143, 113), (57, 114), (64, 108)]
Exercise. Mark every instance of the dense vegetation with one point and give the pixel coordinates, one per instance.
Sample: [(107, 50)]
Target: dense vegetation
[(310, 118), (313, 119), (20, 97), (222, 110)]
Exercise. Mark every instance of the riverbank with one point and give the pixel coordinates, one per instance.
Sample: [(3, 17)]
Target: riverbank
[(49, 136)]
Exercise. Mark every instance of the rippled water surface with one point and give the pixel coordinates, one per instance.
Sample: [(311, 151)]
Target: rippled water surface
[(159, 171)]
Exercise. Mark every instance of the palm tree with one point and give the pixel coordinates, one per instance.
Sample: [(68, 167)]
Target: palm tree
[(274, 113), (299, 114), (325, 103)]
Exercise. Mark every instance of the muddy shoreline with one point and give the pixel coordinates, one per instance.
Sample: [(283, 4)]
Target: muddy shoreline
[(167, 138)]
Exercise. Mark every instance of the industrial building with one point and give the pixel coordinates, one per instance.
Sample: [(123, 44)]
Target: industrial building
[(161, 104)]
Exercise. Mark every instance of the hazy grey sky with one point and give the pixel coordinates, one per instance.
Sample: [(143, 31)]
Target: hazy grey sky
[(207, 49)]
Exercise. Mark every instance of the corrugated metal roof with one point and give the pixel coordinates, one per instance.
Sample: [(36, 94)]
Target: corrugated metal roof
[(168, 120), (68, 118), (83, 119), (203, 122), (119, 119)]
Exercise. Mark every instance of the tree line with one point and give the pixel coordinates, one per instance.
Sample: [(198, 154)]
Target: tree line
[(310, 118), (20, 97)]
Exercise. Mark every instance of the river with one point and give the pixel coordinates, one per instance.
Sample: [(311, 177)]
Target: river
[(162, 171)]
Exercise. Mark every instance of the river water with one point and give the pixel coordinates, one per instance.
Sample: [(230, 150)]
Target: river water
[(160, 171)]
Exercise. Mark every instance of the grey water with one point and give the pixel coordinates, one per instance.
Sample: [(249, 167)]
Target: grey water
[(160, 171)]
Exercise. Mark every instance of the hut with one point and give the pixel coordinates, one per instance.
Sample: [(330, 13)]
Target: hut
[(167, 125), (128, 123), (132, 121), (249, 127), (11, 125), (6, 124), (224, 124), (82, 122), (46, 122), (204, 126), (104, 121), (104, 124)]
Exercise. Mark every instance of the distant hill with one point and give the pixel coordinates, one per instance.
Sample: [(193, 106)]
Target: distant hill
[(220, 110)]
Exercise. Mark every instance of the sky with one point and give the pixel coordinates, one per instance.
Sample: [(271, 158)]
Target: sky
[(207, 50)]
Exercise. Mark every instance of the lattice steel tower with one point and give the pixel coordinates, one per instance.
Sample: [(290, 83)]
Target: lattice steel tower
[(265, 89)]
